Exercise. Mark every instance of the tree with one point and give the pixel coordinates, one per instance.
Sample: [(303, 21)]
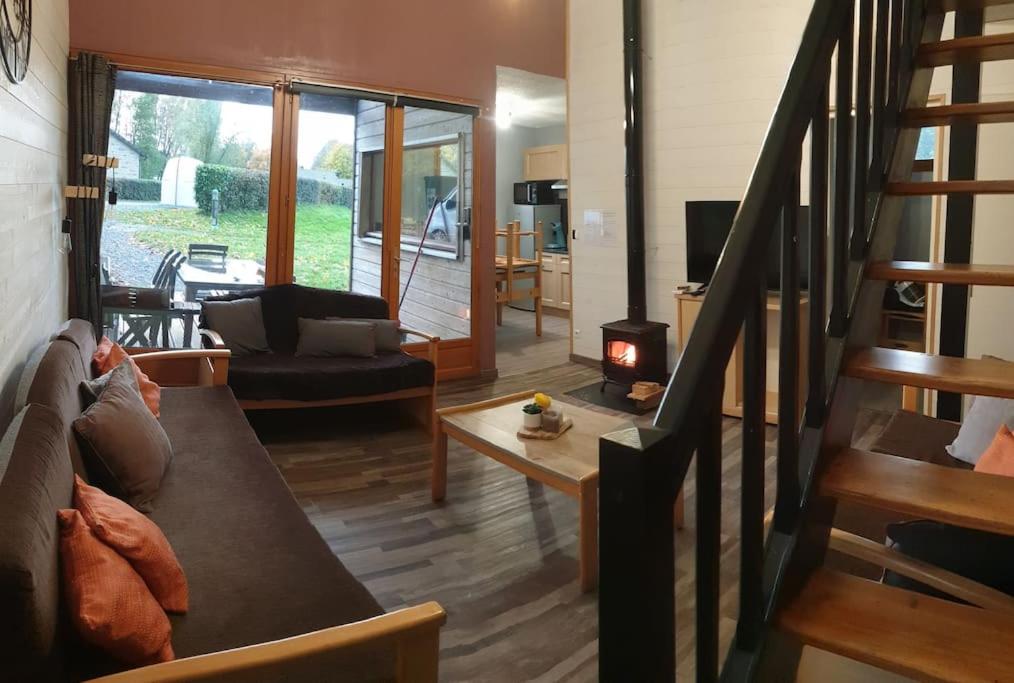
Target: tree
[(335, 156), (201, 123), (144, 135), (260, 159)]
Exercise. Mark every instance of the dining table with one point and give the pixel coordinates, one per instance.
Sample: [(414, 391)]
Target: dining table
[(200, 280)]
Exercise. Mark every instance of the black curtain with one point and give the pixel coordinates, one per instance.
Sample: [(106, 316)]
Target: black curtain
[(91, 86)]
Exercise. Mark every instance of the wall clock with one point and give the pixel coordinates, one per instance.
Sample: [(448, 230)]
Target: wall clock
[(15, 37)]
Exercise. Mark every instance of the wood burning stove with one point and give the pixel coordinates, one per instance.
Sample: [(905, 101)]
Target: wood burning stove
[(634, 349), (633, 352)]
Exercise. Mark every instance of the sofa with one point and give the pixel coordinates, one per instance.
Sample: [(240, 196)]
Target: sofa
[(268, 599), (281, 379), (979, 556)]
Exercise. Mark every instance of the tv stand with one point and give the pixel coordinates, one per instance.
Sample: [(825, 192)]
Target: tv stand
[(688, 307)]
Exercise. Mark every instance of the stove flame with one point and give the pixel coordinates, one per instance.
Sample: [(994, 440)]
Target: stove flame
[(622, 353)]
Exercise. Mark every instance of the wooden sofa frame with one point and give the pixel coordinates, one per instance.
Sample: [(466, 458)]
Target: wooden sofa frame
[(414, 631), (421, 401)]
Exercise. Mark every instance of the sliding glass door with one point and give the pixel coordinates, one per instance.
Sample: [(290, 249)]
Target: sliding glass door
[(399, 225), (188, 207), (340, 155), (225, 186), (435, 292)]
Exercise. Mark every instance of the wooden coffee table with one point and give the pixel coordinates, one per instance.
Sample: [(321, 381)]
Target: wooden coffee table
[(569, 464)]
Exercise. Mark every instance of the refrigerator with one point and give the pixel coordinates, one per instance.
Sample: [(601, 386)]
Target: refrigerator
[(530, 215)]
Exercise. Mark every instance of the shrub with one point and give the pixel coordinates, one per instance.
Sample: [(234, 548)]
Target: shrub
[(243, 189), (138, 190), (239, 189)]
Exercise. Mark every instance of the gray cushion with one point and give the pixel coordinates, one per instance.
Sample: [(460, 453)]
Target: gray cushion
[(36, 480), (91, 389), (388, 336), (331, 338), (980, 426), (241, 324), (124, 447)]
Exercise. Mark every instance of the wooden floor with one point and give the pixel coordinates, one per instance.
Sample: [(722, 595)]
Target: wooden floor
[(500, 554), (518, 350)]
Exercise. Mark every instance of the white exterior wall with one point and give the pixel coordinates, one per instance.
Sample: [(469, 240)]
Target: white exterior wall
[(130, 161)]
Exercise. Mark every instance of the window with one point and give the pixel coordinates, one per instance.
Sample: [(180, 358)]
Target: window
[(191, 217)]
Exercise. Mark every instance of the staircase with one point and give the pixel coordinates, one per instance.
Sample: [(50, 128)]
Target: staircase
[(858, 179)]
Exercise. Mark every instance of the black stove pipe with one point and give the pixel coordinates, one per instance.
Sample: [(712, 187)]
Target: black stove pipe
[(633, 81)]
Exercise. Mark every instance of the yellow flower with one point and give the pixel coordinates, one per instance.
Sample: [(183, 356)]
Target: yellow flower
[(543, 400)]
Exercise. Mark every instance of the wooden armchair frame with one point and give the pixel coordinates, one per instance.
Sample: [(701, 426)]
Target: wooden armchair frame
[(421, 401), (184, 367), (414, 631)]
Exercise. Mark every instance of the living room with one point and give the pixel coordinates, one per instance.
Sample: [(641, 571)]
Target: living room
[(267, 243)]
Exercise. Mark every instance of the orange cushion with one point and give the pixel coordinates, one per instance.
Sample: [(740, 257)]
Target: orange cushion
[(136, 538), (109, 354), (999, 457), (108, 602)]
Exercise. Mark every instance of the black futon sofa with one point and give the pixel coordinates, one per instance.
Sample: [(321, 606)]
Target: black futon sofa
[(280, 379)]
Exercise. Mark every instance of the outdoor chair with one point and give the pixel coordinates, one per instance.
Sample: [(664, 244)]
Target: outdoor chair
[(204, 255), (147, 312)]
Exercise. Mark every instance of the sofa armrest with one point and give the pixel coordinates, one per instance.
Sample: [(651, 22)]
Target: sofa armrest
[(211, 339), (415, 631), (432, 344), (185, 367)]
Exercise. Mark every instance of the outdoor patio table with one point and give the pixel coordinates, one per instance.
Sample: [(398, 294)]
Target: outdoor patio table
[(237, 275)]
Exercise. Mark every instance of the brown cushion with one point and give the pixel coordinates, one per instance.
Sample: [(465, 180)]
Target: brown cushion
[(240, 323), (329, 338), (388, 334), (919, 437), (258, 570), (81, 334), (274, 376), (283, 305), (124, 447), (36, 481), (56, 384)]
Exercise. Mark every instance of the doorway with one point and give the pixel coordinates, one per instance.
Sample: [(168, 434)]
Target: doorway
[(533, 222)]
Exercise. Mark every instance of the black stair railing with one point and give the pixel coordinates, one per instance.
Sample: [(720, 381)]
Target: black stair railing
[(871, 42)]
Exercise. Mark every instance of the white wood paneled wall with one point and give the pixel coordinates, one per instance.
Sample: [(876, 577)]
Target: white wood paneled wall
[(33, 150), (714, 70)]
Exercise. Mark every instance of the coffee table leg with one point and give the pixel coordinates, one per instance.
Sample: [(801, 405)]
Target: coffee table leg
[(588, 499), (679, 510), (438, 481)]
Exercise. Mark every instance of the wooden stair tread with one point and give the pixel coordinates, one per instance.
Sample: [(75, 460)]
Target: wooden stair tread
[(946, 494), (923, 188), (912, 634), (981, 377), (947, 273), (953, 5), (966, 50), (946, 115)]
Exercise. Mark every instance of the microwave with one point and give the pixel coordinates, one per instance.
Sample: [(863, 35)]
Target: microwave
[(535, 192)]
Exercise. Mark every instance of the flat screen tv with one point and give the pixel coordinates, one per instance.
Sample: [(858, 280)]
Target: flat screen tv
[(708, 226)]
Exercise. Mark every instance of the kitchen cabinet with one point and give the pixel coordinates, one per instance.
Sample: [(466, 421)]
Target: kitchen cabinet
[(548, 162), (556, 281)]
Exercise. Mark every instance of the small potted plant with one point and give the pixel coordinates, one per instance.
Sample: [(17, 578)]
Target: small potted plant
[(533, 416)]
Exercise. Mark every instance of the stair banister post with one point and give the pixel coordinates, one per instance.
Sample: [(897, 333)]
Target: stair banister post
[(638, 479)]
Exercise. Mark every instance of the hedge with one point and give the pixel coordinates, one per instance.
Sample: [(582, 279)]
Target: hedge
[(138, 190), (243, 189)]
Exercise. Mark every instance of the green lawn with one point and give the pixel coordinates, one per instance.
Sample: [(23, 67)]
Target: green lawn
[(322, 237)]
